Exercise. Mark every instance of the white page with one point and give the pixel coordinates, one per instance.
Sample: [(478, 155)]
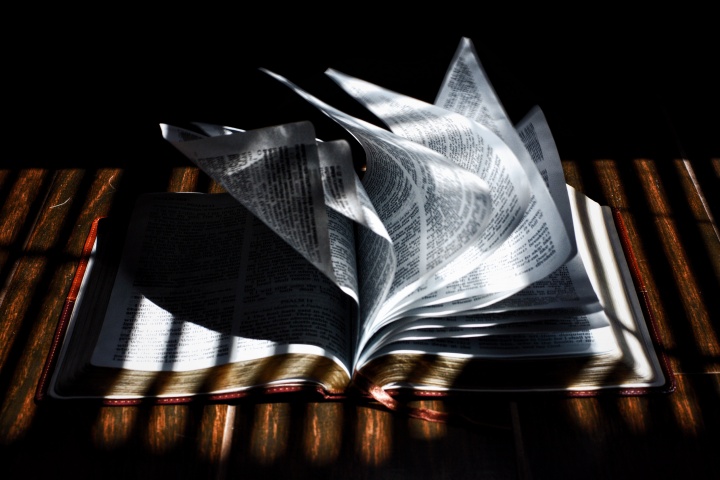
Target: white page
[(197, 278), (275, 173), (541, 243), (591, 341), (569, 285), (347, 202), (464, 142), (433, 209)]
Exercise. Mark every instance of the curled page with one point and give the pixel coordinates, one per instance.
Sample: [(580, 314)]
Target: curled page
[(275, 173), (509, 257), (433, 209), (542, 242), (466, 143), (535, 134), (569, 285), (347, 203)]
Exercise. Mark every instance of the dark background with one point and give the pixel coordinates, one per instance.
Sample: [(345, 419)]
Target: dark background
[(91, 91)]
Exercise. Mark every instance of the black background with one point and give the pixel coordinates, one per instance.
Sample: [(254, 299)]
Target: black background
[(89, 88)]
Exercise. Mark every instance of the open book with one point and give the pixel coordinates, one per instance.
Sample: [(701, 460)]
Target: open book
[(460, 261)]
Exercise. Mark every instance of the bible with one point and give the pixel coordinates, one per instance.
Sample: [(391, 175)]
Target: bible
[(458, 260)]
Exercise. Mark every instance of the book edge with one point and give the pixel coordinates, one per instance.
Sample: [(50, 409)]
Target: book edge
[(631, 260), (670, 384), (41, 392)]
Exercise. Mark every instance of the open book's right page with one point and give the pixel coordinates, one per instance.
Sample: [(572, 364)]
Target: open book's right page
[(583, 307), (522, 248)]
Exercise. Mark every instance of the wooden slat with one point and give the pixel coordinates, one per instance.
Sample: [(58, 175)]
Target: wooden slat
[(642, 437), (344, 440), (34, 295), (45, 222), (682, 235), (663, 436), (22, 193), (172, 436)]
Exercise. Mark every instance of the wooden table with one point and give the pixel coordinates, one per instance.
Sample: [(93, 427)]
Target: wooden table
[(45, 213)]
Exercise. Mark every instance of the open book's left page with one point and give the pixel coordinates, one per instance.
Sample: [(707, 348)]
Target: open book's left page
[(204, 288), (203, 282)]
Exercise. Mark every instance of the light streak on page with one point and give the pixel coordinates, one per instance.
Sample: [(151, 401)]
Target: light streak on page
[(543, 241), (433, 209), (468, 144)]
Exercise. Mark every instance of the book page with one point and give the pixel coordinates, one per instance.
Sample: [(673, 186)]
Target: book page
[(347, 201), (568, 286), (618, 329), (203, 282), (339, 188), (519, 255), (424, 330), (610, 275), (464, 142), (433, 209), (542, 242), (345, 204), (275, 173), (532, 342)]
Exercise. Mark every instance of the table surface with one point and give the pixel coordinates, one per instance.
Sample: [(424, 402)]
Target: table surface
[(666, 196)]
